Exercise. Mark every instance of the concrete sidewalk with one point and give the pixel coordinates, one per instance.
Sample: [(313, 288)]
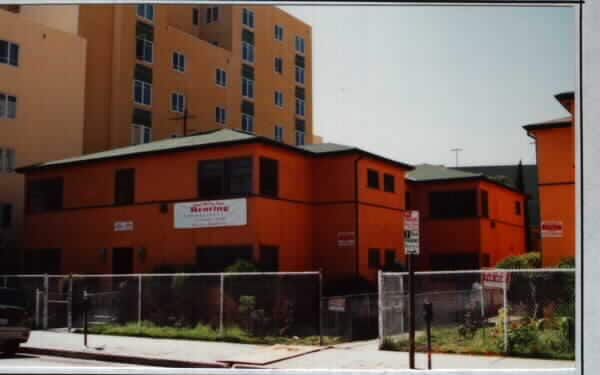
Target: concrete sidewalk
[(187, 353)]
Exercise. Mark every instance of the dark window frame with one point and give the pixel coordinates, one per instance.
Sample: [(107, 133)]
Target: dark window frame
[(386, 256), (453, 204), (374, 263), (45, 188), (389, 183), (373, 179), (222, 178), (268, 262), (269, 177), (485, 204), (518, 208), (124, 187)]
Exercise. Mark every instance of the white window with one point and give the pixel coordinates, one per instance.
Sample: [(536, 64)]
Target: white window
[(7, 160), (247, 123), (146, 11), (196, 16), (279, 133), (299, 137), (8, 106), (299, 74), (279, 98), (212, 14), (279, 65), (299, 44), (247, 88), (144, 50), (9, 53), (142, 92), (220, 115), (248, 52), (140, 134), (178, 61), (177, 102), (221, 77), (278, 32), (299, 107), (248, 17)]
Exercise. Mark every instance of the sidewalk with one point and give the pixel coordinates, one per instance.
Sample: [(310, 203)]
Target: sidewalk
[(186, 353)]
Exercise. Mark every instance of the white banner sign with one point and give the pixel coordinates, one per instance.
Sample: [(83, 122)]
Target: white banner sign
[(206, 214), (123, 226), (411, 232)]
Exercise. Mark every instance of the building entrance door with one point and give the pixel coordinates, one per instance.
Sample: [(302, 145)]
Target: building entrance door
[(122, 260)]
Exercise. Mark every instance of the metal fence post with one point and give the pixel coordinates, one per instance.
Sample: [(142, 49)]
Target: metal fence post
[(139, 312), (221, 303), (37, 307), (46, 287), (506, 314), (402, 328), (380, 307), (319, 307), (70, 304)]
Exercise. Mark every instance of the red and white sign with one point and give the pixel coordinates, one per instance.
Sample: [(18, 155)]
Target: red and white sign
[(552, 229), (345, 239), (495, 279), (123, 226), (411, 232), (206, 214), (337, 304)]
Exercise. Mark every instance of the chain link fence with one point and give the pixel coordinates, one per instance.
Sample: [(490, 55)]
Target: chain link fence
[(521, 312), (352, 317)]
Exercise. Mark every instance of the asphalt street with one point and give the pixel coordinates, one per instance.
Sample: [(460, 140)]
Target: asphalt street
[(27, 360)]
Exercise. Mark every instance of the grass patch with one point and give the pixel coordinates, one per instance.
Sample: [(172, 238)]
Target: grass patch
[(549, 344), (205, 333)]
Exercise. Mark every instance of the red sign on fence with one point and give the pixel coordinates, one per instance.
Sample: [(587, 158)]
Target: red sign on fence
[(495, 279)]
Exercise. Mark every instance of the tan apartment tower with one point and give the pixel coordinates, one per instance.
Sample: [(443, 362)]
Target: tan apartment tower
[(152, 68)]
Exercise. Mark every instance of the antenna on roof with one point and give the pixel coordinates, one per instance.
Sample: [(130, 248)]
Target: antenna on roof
[(456, 151)]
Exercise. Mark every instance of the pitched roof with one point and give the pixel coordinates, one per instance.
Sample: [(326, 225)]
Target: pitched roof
[(429, 172), (216, 137)]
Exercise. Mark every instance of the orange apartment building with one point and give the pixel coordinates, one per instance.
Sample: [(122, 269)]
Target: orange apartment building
[(555, 153), (468, 221), (208, 199), (41, 112), (219, 66)]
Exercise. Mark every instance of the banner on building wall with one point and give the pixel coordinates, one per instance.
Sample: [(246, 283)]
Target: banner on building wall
[(210, 214), (345, 239), (123, 226), (411, 232), (552, 229)]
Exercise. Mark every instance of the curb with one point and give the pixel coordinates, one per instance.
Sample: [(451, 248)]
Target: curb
[(135, 360)]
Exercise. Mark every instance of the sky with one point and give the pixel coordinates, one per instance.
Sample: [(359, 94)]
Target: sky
[(413, 82)]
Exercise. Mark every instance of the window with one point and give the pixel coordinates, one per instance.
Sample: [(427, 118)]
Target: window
[(279, 65), (144, 49), (141, 117), (212, 14), (142, 93), (389, 257), (299, 138), (221, 77), (407, 202), (279, 98), (224, 177), (125, 186), (269, 177), (248, 17), (248, 52), (278, 32), (248, 123), (7, 160), (299, 74), (195, 16), (299, 44), (484, 204), (372, 179), (9, 53), (146, 11), (279, 133), (247, 88), (8, 106), (452, 204), (5, 215), (178, 61), (177, 102), (45, 195), (299, 107), (220, 115), (269, 258), (389, 183), (218, 258), (518, 208), (140, 134), (374, 261)]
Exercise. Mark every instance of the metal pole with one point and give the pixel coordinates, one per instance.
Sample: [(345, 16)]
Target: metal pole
[(139, 312), (403, 299), (428, 344), (506, 315), (37, 308), (221, 303), (70, 304), (319, 307), (45, 320), (411, 316), (85, 317), (481, 294), (380, 306)]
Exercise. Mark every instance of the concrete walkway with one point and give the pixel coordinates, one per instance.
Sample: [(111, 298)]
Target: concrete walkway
[(358, 355)]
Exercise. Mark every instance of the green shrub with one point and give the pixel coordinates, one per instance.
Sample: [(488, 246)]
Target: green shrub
[(521, 339), (527, 260)]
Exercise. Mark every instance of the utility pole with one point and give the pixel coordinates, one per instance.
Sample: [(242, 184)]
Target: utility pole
[(456, 151), (185, 117)]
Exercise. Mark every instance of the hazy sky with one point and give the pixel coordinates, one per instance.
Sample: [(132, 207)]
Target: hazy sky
[(411, 83)]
